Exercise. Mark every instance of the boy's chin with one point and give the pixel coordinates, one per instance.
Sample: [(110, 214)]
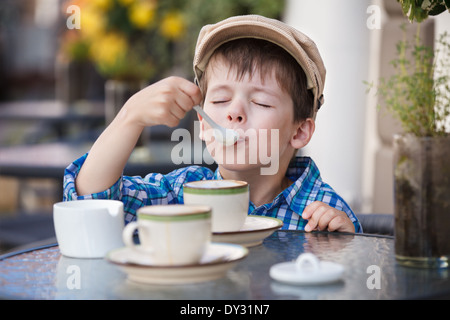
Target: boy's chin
[(243, 160), (246, 169), (238, 167)]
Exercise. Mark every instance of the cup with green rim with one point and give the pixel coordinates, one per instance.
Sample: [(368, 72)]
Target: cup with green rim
[(229, 200), (171, 235)]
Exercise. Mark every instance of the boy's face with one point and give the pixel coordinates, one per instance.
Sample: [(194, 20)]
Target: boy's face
[(260, 111)]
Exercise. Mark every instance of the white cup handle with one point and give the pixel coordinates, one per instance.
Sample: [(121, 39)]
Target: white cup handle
[(307, 262)]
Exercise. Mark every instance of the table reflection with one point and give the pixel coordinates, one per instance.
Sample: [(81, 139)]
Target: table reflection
[(371, 272)]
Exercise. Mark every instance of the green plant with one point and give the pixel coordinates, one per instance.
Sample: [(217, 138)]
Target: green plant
[(419, 10), (418, 94)]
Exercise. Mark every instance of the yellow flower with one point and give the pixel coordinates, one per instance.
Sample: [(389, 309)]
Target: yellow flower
[(108, 49), (92, 22), (173, 25), (141, 13), (102, 4)]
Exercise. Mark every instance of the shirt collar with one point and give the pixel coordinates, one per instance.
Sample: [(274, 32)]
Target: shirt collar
[(303, 171), (306, 176)]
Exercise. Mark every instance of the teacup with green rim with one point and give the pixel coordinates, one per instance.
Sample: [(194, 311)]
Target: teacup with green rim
[(171, 234), (229, 200)]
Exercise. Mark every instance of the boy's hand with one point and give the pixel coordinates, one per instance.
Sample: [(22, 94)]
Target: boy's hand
[(165, 102), (323, 217)]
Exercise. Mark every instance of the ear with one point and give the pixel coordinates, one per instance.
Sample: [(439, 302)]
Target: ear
[(303, 133)]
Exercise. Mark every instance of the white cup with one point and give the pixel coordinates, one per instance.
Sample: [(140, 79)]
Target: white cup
[(171, 234), (88, 228), (228, 199)]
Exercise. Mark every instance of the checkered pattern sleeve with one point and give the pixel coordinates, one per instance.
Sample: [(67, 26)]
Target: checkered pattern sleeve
[(136, 192)]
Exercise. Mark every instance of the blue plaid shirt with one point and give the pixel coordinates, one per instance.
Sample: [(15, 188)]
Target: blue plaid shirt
[(155, 188)]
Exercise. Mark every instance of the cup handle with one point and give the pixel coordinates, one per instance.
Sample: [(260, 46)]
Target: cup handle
[(127, 237), (307, 262), (128, 232)]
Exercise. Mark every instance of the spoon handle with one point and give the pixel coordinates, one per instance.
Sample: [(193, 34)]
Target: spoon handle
[(207, 118), (227, 136)]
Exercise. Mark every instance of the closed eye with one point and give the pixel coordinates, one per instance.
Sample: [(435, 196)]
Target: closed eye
[(262, 104), (219, 101)]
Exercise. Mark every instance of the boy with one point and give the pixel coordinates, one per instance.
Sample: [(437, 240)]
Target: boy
[(254, 74)]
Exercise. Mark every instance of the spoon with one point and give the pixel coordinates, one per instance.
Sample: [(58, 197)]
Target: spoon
[(228, 137)]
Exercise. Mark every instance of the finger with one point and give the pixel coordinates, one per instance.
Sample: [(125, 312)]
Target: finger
[(191, 91), (183, 101), (319, 210), (335, 224), (185, 93), (328, 215), (182, 104), (309, 210), (341, 223), (177, 110)]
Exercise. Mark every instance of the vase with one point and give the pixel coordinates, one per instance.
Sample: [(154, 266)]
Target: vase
[(422, 201)]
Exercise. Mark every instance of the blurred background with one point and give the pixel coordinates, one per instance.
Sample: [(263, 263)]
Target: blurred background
[(66, 67)]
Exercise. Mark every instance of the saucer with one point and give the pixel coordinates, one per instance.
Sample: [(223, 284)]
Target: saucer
[(252, 233), (217, 260)]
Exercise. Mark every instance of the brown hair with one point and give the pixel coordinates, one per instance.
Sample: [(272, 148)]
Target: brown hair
[(248, 55)]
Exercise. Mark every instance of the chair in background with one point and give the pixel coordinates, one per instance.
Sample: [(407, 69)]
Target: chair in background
[(377, 223)]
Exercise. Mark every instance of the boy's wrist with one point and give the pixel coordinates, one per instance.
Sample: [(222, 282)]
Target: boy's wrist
[(128, 117)]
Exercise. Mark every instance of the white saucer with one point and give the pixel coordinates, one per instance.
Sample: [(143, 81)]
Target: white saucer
[(252, 233), (217, 260), (307, 270)]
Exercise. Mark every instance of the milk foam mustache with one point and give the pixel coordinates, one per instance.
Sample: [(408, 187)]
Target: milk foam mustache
[(254, 146)]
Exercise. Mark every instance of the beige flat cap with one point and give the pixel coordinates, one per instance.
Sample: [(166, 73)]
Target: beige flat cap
[(301, 47)]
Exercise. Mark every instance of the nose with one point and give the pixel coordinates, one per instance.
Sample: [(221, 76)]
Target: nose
[(236, 112)]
